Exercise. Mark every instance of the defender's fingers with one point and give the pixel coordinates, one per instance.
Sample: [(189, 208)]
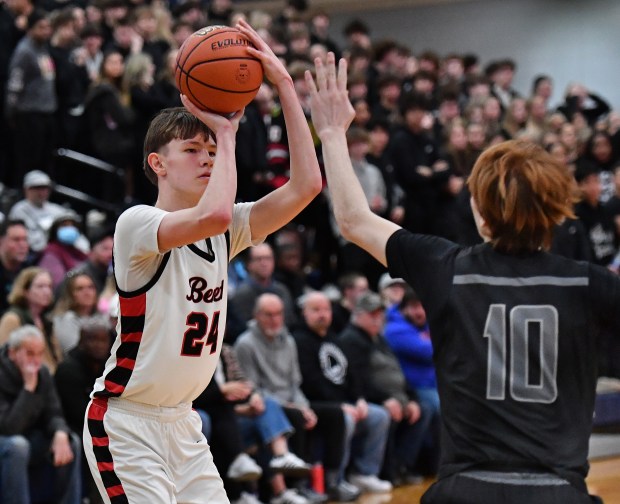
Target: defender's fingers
[(310, 83), (331, 70), (342, 74), (321, 78)]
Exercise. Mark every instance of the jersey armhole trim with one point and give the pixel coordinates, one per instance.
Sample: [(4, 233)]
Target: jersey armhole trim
[(227, 236), (150, 283)]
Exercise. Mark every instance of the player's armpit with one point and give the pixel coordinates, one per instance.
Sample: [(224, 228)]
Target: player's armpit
[(371, 233)]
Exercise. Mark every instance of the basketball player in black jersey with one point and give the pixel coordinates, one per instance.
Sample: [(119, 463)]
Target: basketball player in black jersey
[(514, 328)]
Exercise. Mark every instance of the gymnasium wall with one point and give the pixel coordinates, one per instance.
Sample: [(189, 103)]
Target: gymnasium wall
[(571, 40)]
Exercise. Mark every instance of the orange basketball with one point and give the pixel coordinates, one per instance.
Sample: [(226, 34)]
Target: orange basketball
[(215, 71)]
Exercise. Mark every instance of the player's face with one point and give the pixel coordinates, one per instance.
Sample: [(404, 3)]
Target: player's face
[(189, 163)]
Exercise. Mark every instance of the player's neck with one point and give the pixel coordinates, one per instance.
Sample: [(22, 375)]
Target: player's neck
[(174, 202)]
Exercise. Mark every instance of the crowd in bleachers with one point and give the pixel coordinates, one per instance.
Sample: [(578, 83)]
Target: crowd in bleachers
[(89, 76)]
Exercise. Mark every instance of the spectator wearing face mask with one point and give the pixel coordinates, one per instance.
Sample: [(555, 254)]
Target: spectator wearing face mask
[(61, 254)]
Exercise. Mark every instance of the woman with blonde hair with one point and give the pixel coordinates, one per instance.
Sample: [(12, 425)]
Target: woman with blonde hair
[(77, 301), (29, 300)]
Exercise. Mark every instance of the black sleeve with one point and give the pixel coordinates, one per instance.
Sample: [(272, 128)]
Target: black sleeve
[(425, 262)]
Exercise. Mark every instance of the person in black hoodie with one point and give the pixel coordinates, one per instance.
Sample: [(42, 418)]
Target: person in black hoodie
[(33, 431), (76, 375), (72, 82), (109, 120), (383, 382), (597, 220), (327, 377)]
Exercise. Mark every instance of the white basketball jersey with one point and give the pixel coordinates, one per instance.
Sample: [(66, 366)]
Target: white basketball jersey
[(172, 313)]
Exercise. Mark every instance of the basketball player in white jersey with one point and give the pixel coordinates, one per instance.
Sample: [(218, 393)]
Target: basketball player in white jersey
[(143, 441)]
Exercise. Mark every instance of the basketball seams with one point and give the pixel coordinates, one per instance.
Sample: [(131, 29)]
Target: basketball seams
[(224, 90), (231, 58), (227, 58), (204, 39), (180, 64), (188, 76), (233, 70)]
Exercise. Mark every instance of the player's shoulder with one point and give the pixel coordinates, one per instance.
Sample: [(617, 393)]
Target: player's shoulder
[(138, 215), (405, 242), (139, 210)]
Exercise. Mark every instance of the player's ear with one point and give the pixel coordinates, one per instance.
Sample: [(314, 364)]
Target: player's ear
[(155, 162), (481, 223)]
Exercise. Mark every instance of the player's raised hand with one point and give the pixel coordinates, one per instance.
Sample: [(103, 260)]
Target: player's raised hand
[(213, 120), (274, 69), (330, 106)]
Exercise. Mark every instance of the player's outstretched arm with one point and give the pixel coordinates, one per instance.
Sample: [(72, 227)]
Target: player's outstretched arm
[(332, 114), (276, 209), (213, 212)]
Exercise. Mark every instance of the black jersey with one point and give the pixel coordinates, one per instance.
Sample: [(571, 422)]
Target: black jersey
[(515, 342)]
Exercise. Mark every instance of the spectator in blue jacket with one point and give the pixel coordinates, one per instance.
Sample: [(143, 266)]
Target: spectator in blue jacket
[(408, 335)]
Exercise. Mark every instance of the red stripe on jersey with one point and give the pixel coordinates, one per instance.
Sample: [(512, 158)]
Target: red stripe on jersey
[(115, 490), (115, 388), (133, 306), (101, 441), (97, 409), (132, 337), (126, 363), (105, 466)]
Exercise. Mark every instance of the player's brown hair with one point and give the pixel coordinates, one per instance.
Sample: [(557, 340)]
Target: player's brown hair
[(522, 193), (170, 124)]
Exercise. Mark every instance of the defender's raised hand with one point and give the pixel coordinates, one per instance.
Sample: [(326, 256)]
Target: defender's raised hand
[(330, 106)]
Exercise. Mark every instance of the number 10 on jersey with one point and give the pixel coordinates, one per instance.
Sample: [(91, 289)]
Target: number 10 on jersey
[(526, 325)]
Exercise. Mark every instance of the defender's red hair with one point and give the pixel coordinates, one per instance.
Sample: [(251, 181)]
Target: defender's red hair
[(522, 193)]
